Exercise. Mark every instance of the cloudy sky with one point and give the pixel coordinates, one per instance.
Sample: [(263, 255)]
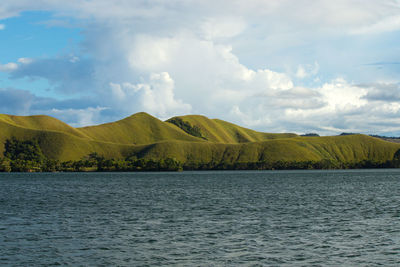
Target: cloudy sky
[(272, 65)]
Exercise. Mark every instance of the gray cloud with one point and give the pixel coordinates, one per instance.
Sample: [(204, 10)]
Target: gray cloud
[(68, 74), (14, 101), (77, 112), (382, 63), (387, 92)]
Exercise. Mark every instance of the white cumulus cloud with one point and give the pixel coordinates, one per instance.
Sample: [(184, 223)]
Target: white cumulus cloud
[(12, 66), (224, 27), (155, 96), (8, 67), (304, 71), (25, 60), (81, 117)]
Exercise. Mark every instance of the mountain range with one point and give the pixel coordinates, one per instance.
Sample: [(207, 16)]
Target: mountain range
[(190, 138)]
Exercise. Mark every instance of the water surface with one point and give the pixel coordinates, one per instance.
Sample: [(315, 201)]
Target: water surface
[(266, 218)]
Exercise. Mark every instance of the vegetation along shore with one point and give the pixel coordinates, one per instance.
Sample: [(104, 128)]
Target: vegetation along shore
[(142, 142)]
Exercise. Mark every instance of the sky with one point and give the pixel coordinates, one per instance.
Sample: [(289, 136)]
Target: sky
[(271, 65)]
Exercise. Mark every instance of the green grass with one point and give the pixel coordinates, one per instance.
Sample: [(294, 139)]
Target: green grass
[(41, 122), (147, 137), (60, 145), (219, 131), (340, 148), (140, 128)]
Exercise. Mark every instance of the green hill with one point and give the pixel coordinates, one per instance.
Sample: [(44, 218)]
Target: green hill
[(61, 145), (338, 148), (219, 131), (140, 128), (40, 122), (144, 136)]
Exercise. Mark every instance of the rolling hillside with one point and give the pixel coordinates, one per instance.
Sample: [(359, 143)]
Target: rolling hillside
[(40, 122), (61, 145), (346, 149), (145, 136), (140, 128), (219, 131)]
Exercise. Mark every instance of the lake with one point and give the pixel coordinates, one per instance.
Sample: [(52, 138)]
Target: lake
[(222, 218)]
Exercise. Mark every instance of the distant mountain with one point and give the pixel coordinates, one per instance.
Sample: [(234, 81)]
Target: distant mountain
[(189, 139)]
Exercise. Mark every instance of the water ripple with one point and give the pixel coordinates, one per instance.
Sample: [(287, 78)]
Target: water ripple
[(287, 218)]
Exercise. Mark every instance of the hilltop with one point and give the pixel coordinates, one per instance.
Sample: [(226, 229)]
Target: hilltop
[(190, 139)]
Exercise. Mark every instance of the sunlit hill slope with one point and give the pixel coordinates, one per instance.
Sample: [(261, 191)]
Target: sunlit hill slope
[(189, 138)]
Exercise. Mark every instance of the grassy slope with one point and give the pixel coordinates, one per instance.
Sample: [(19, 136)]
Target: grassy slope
[(41, 122), (228, 142), (60, 145), (113, 140), (220, 131), (341, 148), (140, 128)]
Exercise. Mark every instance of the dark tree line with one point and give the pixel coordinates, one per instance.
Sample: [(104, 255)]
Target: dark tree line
[(187, 127), (27, 156), (310, 135), (324, 164)]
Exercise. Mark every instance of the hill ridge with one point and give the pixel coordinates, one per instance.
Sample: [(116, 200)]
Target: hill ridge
[(220, 131), (143, 136)]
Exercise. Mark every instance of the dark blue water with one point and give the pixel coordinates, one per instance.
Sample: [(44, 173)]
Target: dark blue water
[(285, 218)]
